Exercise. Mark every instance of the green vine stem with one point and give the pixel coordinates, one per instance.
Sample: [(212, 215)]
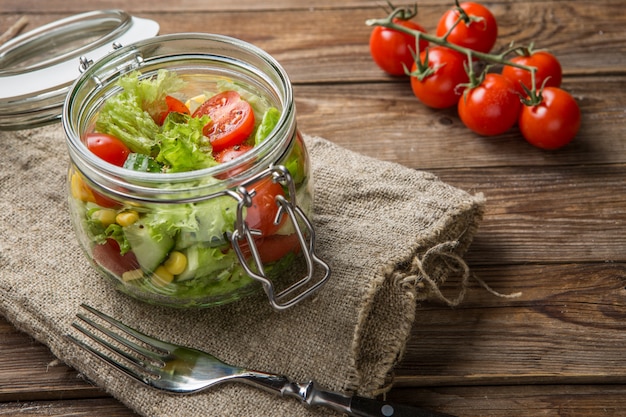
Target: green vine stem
[(401, 14)]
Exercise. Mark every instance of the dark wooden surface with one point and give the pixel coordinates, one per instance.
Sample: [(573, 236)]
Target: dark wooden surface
[(554, 229)]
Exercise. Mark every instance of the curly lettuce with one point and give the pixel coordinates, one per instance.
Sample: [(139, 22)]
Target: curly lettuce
[(182, 146), (130, 115)]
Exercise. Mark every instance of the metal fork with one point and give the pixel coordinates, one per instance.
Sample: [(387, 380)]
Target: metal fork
[(178, 369)]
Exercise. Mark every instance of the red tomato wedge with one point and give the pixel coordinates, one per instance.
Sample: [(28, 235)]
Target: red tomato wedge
[(229, 154), (232, 120), (260, 216), (173, 105), (273, 248), (107, 147), (108, 256), (263, 211)]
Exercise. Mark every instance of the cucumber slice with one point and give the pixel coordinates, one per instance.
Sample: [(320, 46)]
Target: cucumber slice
[(150, 246), (206, 261)]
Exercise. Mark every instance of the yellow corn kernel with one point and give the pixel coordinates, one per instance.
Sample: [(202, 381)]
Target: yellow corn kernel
[(126, 218), (80, 190), (132, 275), (175, 263), (105, 216), (162, 276)]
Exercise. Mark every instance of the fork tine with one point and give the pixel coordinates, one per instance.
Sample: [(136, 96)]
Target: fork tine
[(146, 369), (116, 364), (152, 342), (132, 346)]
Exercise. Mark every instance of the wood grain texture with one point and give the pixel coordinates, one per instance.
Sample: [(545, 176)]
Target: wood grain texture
[(554, 222), (323, 44), (386, 121)]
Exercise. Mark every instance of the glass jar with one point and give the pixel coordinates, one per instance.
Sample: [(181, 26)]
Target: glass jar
[(206, 236)]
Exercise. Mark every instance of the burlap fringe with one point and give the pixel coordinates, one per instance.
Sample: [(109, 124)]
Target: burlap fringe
[(419, 276)]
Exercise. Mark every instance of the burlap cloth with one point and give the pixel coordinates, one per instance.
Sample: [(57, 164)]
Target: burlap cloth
[(390, 234)]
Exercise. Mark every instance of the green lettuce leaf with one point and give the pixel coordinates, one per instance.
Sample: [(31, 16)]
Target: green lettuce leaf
[(130, 115), (182, 146), (268, 123)]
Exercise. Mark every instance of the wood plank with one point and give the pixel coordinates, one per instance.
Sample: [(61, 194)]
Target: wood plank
[(29, 371), (568, 326), (56, 6), (331, 45), (519, 401), (375, 119), (108, 407), (548, 214)]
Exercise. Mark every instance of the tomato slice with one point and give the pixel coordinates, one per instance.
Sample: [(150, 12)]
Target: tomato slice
[(107, 147), (260, 216), (231, 153), (273, 248), (109, 257), (263, 211), (232, 119), (173, 105)]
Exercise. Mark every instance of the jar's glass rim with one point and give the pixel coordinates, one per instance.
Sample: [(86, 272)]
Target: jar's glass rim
[(266, 147)]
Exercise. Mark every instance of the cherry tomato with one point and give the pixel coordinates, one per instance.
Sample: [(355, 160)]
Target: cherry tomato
[(393, 51), (108, 256), (232, 119), (173, 105), (262, 213), (440, 89), (107, 147), (548, 68), (479, 34), (554, 122), (104, 201), (492, 107), (273, 248), (260, 216), (231, 153)]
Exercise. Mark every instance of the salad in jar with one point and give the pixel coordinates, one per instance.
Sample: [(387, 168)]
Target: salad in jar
[(178, 252)]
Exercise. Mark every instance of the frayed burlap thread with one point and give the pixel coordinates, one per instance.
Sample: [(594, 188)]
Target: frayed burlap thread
[(420, 275), (392, 235)]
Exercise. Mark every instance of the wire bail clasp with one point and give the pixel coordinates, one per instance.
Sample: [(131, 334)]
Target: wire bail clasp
[(318, 271)]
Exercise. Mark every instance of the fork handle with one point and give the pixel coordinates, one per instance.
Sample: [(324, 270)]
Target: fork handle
[(364, 407), (353, 405), (367, 407)]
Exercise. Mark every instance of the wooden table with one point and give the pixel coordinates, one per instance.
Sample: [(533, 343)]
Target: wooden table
[(555, 223)]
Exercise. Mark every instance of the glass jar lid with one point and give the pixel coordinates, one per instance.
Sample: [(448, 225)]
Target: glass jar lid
[(37, 68)]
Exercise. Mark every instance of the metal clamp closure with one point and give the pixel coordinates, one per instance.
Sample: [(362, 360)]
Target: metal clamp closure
[(318, 271)]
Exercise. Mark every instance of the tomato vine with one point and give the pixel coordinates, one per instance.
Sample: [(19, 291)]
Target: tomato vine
[(454, 32), (403, 13)]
